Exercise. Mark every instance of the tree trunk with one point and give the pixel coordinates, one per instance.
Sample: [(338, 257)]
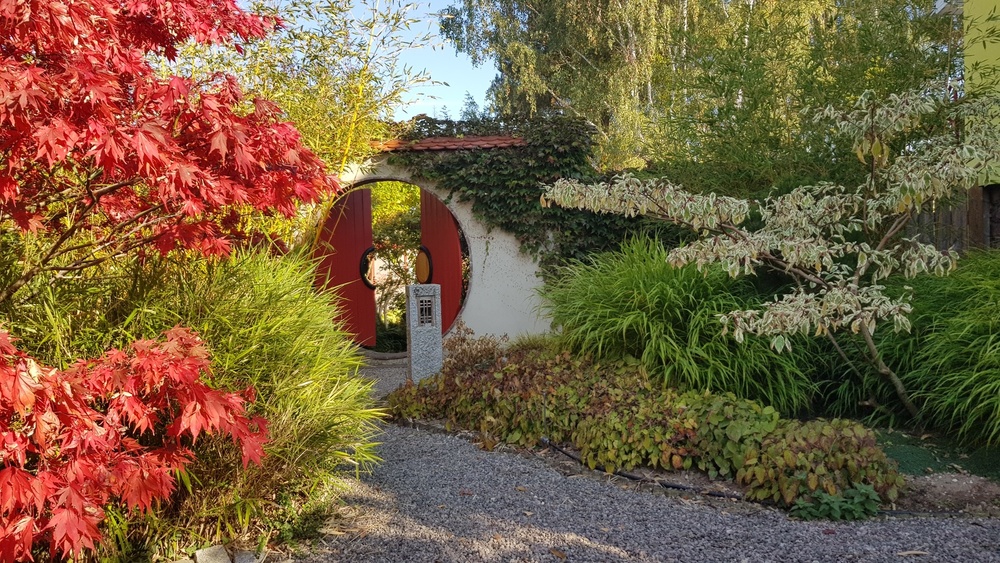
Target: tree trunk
[(890, 376)]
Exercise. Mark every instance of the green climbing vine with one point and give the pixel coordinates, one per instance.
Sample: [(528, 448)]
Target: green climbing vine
[(504, 185)]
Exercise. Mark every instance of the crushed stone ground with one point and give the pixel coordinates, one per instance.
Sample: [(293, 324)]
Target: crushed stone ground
[(439, 498)]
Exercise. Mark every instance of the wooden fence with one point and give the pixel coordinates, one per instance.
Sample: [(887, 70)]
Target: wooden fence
[(973, 224)]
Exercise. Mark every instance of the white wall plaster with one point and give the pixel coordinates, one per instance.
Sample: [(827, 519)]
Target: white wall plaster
[(502, 297)]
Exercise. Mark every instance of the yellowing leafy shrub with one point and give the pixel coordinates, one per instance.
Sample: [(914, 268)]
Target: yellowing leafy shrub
[(804, 458)]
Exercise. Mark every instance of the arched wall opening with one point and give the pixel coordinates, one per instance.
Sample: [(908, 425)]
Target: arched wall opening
[(501, 297), (376, 239)]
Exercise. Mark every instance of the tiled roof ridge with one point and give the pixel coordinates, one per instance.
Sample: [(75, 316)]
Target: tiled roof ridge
[(468, 142)]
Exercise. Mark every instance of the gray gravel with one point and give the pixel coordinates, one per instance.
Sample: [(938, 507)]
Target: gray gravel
[(388, 374), (440, 498)]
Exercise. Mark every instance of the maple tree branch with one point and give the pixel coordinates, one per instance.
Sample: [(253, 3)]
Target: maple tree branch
[(94, 196), (122, 226), (17, 284), (112, 238), (110, 241), (56, 197), (116, 186), (26, 276), (56, 250), (84, 263)]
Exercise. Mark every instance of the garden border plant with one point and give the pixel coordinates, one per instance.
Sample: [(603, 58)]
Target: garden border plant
[(631, 303), (951, 358), (106, 160), (266, 326), (119, 429), (618, 419)]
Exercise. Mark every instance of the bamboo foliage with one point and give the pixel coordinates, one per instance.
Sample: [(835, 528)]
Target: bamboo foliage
[(333, 68)]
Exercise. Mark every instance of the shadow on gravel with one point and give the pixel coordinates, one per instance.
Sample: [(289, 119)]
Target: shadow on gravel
[(375, 513), (437, 498)]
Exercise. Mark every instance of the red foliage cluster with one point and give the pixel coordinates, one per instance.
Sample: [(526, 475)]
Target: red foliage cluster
[(91, 139), (75, 440)]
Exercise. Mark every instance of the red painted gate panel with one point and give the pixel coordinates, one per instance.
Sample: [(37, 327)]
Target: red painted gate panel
[(439, 235), (346, 236)]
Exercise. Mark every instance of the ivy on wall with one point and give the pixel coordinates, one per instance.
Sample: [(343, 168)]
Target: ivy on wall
[(504, 185)]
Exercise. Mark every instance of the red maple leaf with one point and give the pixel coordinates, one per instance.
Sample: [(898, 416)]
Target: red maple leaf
[(79, 101), (95, 413), (73, 530), (18, 386)]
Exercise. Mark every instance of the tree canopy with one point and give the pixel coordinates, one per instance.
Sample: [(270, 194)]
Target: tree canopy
[(333, 67), (685, 83)]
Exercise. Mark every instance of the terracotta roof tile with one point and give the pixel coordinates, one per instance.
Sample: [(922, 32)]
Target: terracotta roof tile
[(451, 143)]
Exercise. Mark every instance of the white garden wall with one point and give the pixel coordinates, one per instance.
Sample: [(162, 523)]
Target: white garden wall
[(502, 297)]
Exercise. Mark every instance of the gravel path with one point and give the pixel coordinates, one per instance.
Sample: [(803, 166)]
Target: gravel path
[(438, 498)]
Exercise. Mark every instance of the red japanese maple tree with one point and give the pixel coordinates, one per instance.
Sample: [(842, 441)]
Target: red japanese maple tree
[(114, 429), (99, 155)]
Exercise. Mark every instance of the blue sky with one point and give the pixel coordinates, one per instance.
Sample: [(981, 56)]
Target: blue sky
[(454, 71)]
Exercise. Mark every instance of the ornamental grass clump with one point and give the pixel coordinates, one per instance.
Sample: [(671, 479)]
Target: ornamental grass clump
[(266, 327), (633, 303), (951, 360)]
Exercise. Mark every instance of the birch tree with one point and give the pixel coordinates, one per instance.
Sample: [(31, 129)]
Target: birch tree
[(706, 89)]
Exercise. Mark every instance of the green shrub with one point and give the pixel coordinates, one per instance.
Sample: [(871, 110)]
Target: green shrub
[(624, 422), (856, 503), (267, 327), (727, 429), (617, 419), (523, 393), (485, 388), (632, 303)]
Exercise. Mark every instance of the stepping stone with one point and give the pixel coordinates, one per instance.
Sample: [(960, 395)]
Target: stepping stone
[(214, 554)]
